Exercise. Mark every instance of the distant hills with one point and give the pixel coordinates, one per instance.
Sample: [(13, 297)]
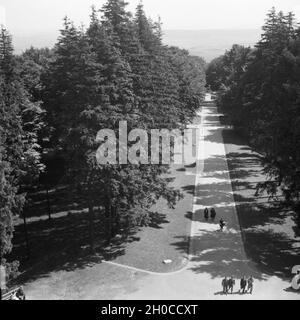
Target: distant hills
[(205, 43), (39, 40), (210, 44)]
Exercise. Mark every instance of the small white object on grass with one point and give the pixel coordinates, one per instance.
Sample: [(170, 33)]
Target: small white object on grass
[(168, 261)]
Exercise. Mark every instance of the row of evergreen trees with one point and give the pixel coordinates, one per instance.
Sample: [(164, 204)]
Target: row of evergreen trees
[(54, 101), (20, 154), (260, 91)]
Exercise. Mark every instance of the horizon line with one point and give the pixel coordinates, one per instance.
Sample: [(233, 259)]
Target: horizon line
[(32, 32)]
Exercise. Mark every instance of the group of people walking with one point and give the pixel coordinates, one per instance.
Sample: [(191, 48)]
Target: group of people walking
[(246, 285), (213, 214)]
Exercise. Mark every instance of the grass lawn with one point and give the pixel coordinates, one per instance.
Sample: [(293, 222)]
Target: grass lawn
[(168, 240), (64, 269)]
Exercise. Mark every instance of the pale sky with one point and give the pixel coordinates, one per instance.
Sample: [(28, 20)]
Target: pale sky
[(38, 16)]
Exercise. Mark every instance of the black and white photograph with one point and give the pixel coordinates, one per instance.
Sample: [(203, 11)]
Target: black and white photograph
[(150, 151)]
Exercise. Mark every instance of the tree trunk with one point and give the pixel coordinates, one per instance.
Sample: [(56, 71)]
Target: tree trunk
[(26, 235), (298, 215), (91, 228), (127, 227), (109, 221), (117, 220), (48, 205), (113, 221)]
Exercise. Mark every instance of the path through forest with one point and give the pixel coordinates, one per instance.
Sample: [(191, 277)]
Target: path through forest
[(212, 255)]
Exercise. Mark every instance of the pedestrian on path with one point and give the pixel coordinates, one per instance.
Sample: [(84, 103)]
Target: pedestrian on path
[(222, 224), (213, 213), (225, 285), (206, 214), (243, 285), (231, 284), (250, 285)]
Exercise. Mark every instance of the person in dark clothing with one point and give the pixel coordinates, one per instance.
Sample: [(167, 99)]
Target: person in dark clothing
[(225, 285), (213, 214), (243, 285), (222, 224), (231, 283), (250, 285), (206, 214)]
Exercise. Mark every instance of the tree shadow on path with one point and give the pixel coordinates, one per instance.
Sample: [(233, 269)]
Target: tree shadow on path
[(268, 230), (260, 241)]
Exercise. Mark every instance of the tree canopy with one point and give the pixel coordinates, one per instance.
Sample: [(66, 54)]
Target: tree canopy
[(259, 90), (55, 101)]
